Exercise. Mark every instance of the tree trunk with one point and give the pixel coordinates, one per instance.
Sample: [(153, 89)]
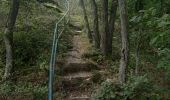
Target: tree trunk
[(124, 35), (139, 5), (8, 38), (162, 10), (86, 20), (137, 52), (112, 24), (95, 24), (137, 59), (105, 28)]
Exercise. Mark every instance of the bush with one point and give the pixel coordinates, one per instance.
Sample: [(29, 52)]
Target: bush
[(107, 91), (30, 47), (164, 59), (137, 88)]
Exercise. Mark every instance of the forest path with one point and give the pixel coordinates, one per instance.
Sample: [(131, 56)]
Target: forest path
[(78, 71)]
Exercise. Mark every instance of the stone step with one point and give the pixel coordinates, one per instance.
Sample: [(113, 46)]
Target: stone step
[(76, 81), (78, 95), (77, 67), (77, 75), (79, 98)]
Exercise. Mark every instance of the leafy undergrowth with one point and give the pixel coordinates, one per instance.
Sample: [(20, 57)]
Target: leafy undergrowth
[(153, 80), (31, 75), (38, 92), (137, 88), (32, 48), (152, 83)]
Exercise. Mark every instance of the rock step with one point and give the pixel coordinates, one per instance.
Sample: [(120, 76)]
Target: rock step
[(76, 81), (78, 95), (77, 67), (79, 98), (77, 75)]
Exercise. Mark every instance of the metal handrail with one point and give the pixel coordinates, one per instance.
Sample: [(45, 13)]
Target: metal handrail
[(56, 38)]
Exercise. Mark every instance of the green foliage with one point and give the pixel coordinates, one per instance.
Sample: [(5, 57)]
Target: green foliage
[(31, 37), (97, 77), (32, 46), (137, 88), (38, 92), (158, 27), (5, 88), (4, 6), (107, 91), (32, 43), (151, 30), (164, 59), (160, 37), (29, 47)]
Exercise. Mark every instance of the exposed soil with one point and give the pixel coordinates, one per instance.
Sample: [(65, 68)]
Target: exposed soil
[(77, 71)]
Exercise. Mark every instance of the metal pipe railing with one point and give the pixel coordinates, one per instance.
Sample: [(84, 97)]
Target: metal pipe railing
[(56, 37)]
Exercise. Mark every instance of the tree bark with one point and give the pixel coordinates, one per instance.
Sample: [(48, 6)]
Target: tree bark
[(96, 34), (8, 38), (112, 24), (105, 28), (86, 20), (137, 57), (137, 52), (139, 5), (162, 4), (124, 35)]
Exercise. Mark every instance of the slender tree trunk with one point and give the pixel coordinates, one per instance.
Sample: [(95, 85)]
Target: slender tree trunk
[(8, 38), (137, 54), (95, 24), (86, 20), (137, 60), (112, 24), (139, 5), (124, 35), (105, 28), (162, 10)]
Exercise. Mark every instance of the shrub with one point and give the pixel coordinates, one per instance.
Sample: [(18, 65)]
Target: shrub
[(38, 92), (107, 91), (137, 88)]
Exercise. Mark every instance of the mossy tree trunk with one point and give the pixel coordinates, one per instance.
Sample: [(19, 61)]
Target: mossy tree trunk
[(86, 20), (108, 26), (96, 35), (105, 28), (112, 19)]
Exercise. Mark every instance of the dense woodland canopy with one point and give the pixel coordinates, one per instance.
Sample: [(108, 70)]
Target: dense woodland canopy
[(108, 50)]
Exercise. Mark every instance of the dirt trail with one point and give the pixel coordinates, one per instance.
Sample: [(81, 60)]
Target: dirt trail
[(74, 55), (77, 71)]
